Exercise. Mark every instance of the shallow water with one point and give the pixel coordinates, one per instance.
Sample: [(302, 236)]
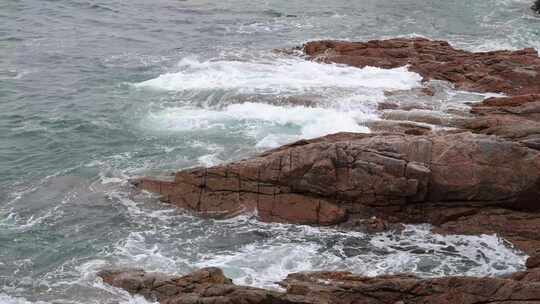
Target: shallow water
[(93, 93)]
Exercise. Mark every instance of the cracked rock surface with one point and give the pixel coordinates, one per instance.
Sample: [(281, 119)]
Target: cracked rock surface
[(209, 285), (463, 183), (509, 72)]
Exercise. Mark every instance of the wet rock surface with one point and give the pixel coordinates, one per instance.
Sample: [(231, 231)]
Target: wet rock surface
[(209, 285), (509, 72), (462, 183), (473, 170), (515, 118)]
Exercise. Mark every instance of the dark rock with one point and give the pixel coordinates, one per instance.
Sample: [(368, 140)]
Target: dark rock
[(533, 261), (536, 6)]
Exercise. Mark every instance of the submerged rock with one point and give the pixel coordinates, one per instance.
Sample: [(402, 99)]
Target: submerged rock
[(510, 72), (209, 285)]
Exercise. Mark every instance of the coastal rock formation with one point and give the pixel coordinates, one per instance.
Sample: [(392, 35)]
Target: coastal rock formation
[(516, 118), (536, 6), (463, 183), (483, 176), (479, 174), (209, 285), (509, 72)]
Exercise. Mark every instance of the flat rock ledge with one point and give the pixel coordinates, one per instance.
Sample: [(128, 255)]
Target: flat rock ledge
[(210, 286), (509, 72)]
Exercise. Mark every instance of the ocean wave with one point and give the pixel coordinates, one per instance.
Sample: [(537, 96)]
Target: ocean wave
[(280, 75), (261, 254), (256, 120)]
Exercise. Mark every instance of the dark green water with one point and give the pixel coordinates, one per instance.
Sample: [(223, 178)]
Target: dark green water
[(93, 93)]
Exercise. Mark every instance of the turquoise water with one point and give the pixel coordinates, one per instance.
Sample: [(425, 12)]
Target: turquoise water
[(93, 93)]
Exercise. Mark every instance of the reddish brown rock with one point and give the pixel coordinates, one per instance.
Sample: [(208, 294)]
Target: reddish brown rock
[(533, 261), (515, 118), (464, 183), (343, 287), (209, 285), (461, 182), (398, 126), (510, 72)]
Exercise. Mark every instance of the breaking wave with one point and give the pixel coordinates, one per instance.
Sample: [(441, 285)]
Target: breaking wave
[(279, 75)]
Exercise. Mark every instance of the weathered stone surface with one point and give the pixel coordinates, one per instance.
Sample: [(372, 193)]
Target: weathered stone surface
[(343, 287), (398, 126), (510, 72), (209, 285), (463, 182), (159, 287), (516, 118), (534, 261)]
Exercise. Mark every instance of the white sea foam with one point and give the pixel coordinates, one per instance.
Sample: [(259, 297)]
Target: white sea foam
[(257, 120), (7, 299), (264, 264), (279, 75), (343, 97), (261, 254), (209, 160)]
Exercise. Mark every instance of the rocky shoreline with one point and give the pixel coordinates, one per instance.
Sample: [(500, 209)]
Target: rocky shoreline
[(209, 285), (467, 173)]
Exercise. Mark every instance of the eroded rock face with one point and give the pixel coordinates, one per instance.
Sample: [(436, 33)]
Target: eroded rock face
[(516, 118), (159, 287), (446, 180), (510, 72), (209, 285)]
